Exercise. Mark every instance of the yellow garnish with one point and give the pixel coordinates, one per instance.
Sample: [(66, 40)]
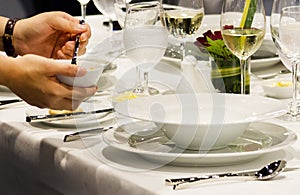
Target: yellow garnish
[(245, 13), (282, 84), (125, 96), (51, 111)]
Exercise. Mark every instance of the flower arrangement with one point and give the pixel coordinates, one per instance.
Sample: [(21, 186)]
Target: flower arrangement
[(213, 43), (226, 72)]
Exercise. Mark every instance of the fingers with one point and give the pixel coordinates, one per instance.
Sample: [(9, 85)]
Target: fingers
[(74, 98), (66, 68), (67, 51), (67, 23)]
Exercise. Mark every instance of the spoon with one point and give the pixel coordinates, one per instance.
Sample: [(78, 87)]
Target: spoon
[(267, 172)]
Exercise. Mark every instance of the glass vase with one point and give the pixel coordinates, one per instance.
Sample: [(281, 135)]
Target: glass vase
[(226, 75)]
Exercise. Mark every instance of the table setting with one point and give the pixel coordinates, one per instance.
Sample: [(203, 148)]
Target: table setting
[(158, 124)]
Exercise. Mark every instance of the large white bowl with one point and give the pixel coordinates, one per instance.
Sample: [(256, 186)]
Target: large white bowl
[(94, 70), (202, 121)]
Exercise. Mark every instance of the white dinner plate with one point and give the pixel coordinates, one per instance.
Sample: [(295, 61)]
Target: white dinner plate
[(77, 122), (260, 138), (211, 22)]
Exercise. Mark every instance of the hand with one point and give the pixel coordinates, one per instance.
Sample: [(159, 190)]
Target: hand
[(34, 81), (50, 34)]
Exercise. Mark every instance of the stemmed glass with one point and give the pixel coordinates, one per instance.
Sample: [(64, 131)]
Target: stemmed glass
[(106, 7), (145, 43), (83, 4), (243, 29), (182, 18), (120, 10), (285, 29)]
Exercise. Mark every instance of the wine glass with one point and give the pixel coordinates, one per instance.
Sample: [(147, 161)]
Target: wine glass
[(145, 42), (243, 29), (285, 31), (106, 7), (120, 10), (83, 4), (182, 18)]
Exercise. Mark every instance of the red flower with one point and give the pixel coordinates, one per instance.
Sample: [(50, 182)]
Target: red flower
[(213, 43)]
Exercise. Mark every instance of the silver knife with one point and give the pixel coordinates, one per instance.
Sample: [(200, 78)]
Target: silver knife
[(4, 103), (85, 133), (39, 118)]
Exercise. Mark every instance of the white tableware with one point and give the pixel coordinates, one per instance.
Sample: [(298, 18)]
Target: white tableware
[(77, 122), (278, 88), (93, 68), (202, 121), (264, 138)]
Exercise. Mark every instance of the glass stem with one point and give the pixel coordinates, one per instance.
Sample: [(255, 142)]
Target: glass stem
[(294, 106), (146, 84), (182, 48), (111, 25), (243, 66), (83, 10), (138, 85)]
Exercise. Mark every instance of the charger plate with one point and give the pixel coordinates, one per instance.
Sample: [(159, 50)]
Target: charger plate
[(259, 139)]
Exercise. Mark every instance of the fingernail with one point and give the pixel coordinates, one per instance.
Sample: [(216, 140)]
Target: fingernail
[(83, 37), (81, 71), (80, 26)]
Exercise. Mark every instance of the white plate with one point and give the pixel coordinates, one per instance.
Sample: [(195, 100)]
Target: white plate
[(268, 137), (211, 22), (85, 121)]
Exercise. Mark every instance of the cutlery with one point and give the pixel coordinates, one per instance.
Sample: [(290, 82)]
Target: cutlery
[(267, 172), (40, 118), (147, 137), (4, 103), (77, 43), (85, 133)]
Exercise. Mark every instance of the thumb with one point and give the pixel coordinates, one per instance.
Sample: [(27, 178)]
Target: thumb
[(68, 23), (66, 68)]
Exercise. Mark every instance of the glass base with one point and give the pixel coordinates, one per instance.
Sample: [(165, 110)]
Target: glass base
[(290, 118), (151, 91)]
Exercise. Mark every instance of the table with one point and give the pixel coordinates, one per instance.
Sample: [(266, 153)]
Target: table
[(35, 160)]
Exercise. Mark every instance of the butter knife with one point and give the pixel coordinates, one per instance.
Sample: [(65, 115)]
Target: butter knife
[(40, 118), (4, 103), (85, 133)]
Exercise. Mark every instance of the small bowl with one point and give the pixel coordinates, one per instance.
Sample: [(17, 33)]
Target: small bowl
[(281, 89), (94, 70)]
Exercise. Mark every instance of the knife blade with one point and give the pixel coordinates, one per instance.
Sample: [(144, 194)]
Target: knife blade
[(85, 133), (40, 118), (4, 103)]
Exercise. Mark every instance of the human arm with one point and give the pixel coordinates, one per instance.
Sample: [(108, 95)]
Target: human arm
[(50, 34), (33, 78)]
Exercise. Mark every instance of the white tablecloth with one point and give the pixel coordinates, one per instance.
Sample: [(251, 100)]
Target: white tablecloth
[(35, 160)]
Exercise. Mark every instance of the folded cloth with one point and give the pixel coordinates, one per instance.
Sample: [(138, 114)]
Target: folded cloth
[(195, 77)]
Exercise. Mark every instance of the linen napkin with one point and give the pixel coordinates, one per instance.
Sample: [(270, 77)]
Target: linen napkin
[(195, 76)]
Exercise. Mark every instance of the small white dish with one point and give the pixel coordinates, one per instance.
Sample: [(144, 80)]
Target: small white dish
[(278, 88), (94, 70), (202, 121), (77, 122), (259, 139)]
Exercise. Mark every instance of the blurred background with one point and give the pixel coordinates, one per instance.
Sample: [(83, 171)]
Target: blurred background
[(26, 8)]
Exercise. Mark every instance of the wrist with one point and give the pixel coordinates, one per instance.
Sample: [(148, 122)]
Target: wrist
[(7, 66), (3, 22)]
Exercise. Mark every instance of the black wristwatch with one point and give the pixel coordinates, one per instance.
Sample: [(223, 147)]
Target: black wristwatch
[(7, 37)]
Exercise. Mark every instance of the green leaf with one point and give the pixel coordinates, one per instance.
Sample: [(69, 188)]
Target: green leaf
[(250, 15)]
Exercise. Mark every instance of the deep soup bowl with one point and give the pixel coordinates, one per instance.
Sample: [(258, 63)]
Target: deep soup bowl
[(206, 121)]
